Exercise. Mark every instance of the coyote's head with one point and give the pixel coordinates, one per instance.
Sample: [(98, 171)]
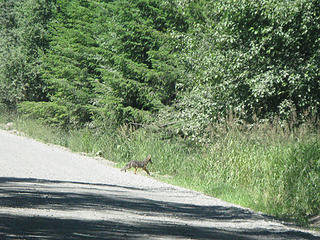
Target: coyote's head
[(148, 159)]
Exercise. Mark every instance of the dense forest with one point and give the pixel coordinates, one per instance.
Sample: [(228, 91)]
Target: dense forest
[(179, 62), (182, 68)]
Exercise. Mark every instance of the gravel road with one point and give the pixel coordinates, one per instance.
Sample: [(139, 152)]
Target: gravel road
[(47, 192)]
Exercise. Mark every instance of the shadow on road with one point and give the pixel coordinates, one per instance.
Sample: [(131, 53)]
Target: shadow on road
[(76, 196)]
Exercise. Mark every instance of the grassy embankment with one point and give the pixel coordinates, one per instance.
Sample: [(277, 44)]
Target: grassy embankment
[(267, 168)]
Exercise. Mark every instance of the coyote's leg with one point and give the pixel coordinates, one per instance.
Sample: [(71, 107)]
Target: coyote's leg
[(124, 169), (146, 170), (135, 171)]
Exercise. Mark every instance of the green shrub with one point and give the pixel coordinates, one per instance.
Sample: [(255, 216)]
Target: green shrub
[(49, 113)]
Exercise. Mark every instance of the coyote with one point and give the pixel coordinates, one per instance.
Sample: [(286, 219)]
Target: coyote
[(138, 164)]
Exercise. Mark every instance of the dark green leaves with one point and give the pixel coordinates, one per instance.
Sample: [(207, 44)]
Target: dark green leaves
[(125, 61)]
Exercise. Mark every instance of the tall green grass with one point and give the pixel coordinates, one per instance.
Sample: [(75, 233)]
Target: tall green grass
[(267, 168)]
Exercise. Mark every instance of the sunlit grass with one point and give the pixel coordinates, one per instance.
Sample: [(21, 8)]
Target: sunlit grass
[(267, 169)]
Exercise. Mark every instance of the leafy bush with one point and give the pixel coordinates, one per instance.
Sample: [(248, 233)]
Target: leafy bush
[(24, 37), (49, 113), (257, 58)]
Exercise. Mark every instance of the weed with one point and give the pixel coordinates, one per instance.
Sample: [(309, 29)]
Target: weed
[(265, 167)]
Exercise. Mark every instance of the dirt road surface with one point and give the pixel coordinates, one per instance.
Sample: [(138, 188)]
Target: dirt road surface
[(47, 192)]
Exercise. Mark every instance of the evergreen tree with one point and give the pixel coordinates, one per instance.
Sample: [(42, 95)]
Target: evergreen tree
[(71, 62), (141, 72)]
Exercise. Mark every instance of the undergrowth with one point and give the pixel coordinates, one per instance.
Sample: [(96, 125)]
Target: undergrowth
[(266, 168)]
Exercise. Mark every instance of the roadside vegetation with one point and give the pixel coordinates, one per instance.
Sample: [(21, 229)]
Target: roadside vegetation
[(223, 94), (267, 168)]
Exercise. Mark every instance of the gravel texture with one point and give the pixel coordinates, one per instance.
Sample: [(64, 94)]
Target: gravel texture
[(47, 192)]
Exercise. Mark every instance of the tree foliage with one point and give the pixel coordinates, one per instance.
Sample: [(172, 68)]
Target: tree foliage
[(136, 61), (257, 58), (141, 71), (24, 37), (70, 66)]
